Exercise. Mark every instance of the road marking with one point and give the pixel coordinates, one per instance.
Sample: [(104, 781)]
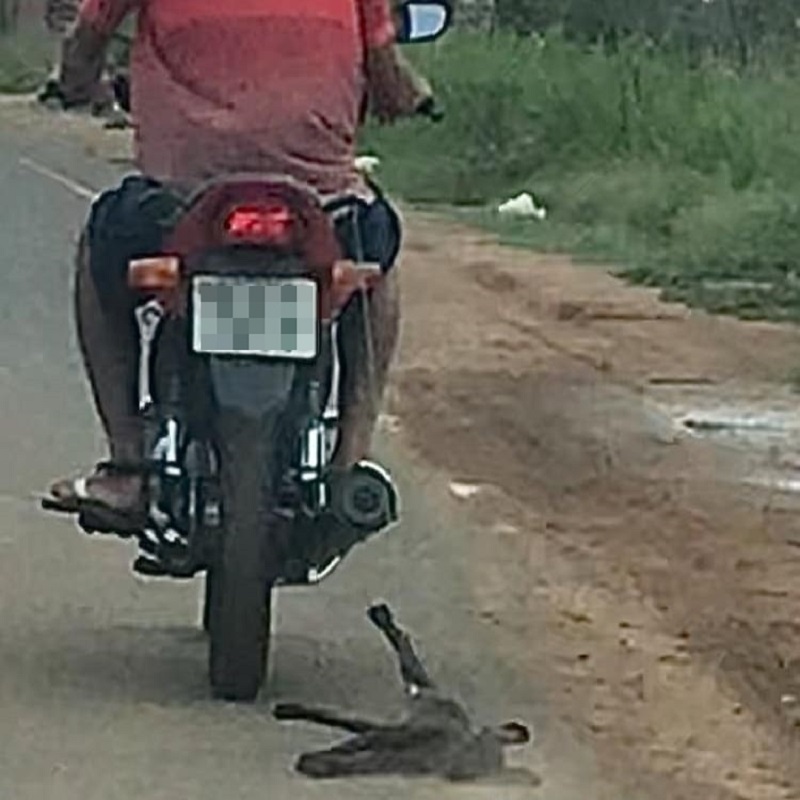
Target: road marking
[(76, 188)]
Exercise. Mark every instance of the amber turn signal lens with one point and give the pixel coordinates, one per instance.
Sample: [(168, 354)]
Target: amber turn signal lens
[(349, 277), (349, 274), (154, 274)]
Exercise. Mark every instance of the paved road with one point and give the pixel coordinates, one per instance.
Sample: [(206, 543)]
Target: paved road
[(102, 675)]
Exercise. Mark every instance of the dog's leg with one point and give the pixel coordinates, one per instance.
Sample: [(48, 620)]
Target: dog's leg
[(391, 749), (339, 763), (415, 676), (323, 716)]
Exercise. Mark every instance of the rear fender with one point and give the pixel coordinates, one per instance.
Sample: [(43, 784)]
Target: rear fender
[(255, 420), (257, 389)]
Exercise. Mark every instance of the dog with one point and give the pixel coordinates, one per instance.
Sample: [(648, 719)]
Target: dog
[(434, 738)]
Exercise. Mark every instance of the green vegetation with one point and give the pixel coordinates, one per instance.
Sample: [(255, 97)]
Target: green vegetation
[(687, 174), (23, 63)]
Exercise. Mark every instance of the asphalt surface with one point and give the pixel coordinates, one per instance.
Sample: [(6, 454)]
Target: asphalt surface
[(103, 689)]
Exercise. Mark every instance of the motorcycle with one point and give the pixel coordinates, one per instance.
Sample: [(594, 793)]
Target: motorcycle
[(238, 390)]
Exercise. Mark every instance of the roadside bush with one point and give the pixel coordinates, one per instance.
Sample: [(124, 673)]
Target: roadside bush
[(23, 65), (676, 172)]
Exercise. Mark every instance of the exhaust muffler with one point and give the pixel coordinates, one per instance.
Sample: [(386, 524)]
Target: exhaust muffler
[(366, 498)]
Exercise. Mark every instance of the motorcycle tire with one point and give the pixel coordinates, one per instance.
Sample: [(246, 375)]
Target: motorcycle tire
[(240, 585)]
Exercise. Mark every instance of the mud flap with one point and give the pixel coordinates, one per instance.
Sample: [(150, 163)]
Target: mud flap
[(254, 426), (255, 388)]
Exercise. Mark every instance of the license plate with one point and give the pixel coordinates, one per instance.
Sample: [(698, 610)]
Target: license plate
[(254, 316)]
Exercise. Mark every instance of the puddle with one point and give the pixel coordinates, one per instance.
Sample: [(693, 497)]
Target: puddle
[(741, 421), (763, 427)]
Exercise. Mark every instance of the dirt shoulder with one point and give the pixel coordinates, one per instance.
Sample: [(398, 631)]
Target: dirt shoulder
[(666, 565)]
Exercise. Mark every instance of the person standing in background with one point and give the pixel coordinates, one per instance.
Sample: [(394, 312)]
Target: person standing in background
[(60, 17)]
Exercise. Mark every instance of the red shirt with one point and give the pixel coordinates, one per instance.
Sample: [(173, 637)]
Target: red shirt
[(222, 86)]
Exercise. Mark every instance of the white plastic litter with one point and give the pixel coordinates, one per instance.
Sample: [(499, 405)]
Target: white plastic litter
[(523, 205), (367, 164), (464, 491), (389, 423)]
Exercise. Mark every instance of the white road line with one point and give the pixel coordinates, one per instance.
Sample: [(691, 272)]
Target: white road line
[(76, 188)]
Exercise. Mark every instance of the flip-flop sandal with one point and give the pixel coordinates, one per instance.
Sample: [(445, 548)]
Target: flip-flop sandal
[(95, 517), (117, 120), (101, 519), (71, 504), (95, 512)]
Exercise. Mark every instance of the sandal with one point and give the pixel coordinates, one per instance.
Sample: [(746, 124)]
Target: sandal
[(114, 487), (117, 120)]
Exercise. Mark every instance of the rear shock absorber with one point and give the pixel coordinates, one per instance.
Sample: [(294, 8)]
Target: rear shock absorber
[(148, 320), (330, 415), (313, 455), (165, 432)]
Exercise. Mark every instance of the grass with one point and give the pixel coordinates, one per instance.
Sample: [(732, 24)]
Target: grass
[(689, 179), (23, 63)]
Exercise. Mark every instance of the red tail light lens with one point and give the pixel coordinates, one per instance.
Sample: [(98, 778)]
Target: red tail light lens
[(263, 224)]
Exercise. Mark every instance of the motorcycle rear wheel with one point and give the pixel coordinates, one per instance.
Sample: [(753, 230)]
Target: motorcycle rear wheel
[(239, 584)]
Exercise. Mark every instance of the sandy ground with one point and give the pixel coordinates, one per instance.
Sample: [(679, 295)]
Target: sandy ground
[(645, 575), (666, 564)]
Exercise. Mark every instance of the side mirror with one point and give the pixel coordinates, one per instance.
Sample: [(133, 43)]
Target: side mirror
[(419, 22)]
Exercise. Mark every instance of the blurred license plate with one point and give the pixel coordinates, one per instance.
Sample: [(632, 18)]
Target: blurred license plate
[(254, 316)]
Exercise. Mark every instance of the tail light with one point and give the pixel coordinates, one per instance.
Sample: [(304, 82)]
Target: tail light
[(271, 224)]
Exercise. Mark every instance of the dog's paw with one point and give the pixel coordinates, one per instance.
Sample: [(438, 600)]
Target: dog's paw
[(381, 615), (287, 711)]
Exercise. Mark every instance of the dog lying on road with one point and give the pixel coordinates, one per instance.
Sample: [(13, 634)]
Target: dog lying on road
[(435, 738)]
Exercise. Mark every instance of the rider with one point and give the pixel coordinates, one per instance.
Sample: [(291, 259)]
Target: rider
[(265, 86)]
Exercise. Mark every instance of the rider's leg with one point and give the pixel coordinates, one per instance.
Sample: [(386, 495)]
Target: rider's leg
[(49, 91), (57, 45), (109, 349), (364, 383)]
